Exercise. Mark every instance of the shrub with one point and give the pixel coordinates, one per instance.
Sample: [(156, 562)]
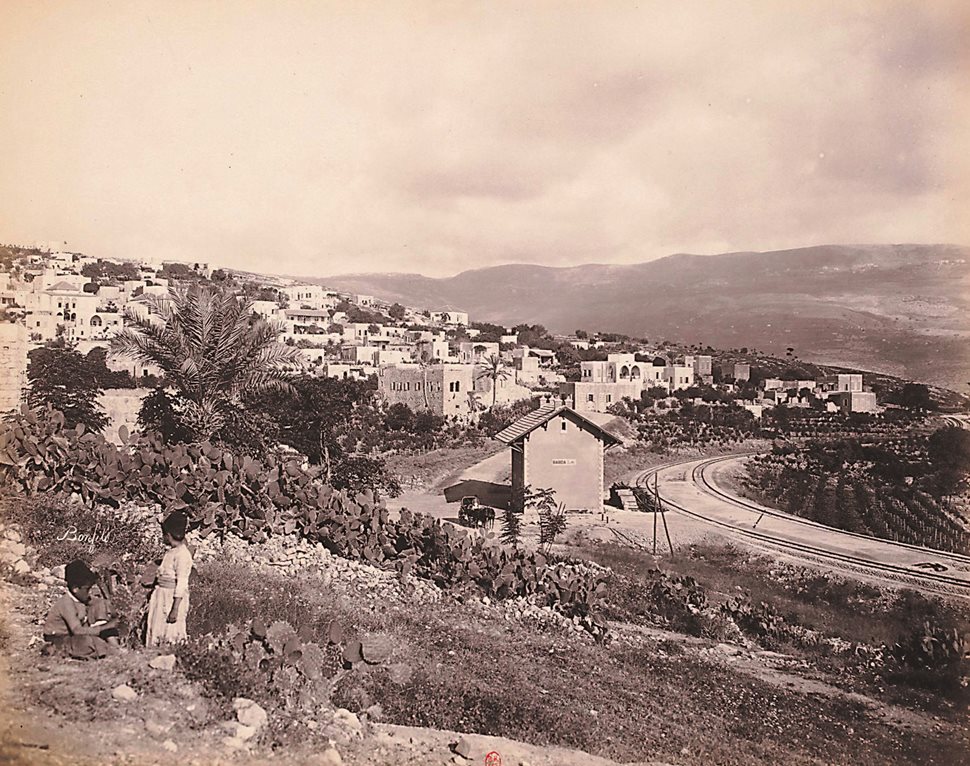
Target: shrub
[(511, 527), (222, 676), (758, 620), (61, 531), (676, 600), (934, 657), (255, 498)]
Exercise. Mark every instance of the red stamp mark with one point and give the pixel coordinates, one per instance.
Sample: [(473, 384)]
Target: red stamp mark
[(493, 759)]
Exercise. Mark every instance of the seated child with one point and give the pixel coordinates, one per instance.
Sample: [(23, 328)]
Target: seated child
[(66, 628)]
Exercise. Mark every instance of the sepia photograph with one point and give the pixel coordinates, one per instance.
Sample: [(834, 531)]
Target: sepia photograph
[(485, 383)]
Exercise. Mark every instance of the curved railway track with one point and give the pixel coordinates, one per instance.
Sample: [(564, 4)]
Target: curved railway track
[(937, 581)]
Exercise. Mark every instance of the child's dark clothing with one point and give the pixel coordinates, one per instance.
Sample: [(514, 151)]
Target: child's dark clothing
[(60, 630), (99, 610)]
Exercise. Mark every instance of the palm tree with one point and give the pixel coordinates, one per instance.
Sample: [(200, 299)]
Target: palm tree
[(211, 348), (494, 370)]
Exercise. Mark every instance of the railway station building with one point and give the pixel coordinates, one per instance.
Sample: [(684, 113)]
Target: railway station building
[(555, 447)]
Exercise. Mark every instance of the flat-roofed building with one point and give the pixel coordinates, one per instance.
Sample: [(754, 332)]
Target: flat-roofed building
[(444, 389)]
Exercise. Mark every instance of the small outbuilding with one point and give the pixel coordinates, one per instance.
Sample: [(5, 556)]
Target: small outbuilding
[(554, 447)]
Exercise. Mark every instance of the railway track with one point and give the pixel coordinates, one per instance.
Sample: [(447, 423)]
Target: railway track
[(937, 581)]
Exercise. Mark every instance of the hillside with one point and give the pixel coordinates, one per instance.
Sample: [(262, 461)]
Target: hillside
[(900, 309)]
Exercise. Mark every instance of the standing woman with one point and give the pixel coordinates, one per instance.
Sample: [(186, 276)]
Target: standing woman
[(170, 599)]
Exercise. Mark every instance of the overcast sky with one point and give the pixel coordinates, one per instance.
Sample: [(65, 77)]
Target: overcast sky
[(320, 138)]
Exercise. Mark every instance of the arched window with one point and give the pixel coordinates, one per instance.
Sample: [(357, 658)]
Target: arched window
[(635, 373), (624, 372), (96, 321)]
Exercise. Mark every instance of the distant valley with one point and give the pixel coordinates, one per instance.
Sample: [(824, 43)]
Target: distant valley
[(899, 309)]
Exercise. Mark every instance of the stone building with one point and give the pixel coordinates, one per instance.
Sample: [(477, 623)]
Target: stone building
[(557, 448), (444, 389)]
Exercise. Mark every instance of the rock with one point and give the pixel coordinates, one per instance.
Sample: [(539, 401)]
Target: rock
[(347, 721), (244, 732), (329, 757), (124, 693), (163, 662), (376, 649), (13, 534), (234, 744), (21, 567), (14, 548), (157, 729), (249, 713), (170, 746), (463, 748)]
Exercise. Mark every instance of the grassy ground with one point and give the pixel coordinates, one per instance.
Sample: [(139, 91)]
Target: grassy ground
[(474, 671), (648, 695), (620, 464), (439, 468), (845, 609)]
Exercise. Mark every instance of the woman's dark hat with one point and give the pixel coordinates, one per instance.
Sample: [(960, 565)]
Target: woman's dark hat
[(175, 524)]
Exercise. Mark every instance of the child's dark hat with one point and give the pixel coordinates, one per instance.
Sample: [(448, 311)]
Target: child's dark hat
[(175, 524), (77, 574)]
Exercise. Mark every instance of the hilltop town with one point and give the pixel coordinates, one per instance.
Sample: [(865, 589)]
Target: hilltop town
[(434, 358), (446, 541)]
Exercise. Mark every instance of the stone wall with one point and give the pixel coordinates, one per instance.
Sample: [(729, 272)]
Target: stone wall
[(13, 365)]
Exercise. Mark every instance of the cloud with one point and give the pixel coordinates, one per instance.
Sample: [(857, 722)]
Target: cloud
[(324, 138)]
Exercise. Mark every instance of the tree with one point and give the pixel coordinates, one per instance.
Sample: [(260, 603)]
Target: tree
[(358, 473), (324, 418), (915, 396), (109, 270), (552, 516), (213, 351), (60, 377), (493, 370), (488, 332), (511, 527), (159, 412), (396, 311), (399, 417), (96, 360), (948, 450)]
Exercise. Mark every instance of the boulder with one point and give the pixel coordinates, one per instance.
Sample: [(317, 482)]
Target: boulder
[(376, 649), (163, 662), (234, 743), (124, 693), (14, 548), (21, 567), (463, 748), (348, 722), (249, 713), (157, 729), (329, 757)]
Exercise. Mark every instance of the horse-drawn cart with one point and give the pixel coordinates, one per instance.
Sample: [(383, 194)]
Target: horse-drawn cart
[(472, 513)]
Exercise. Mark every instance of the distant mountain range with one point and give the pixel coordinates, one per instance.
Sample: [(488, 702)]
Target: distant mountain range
[(899, 309)]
